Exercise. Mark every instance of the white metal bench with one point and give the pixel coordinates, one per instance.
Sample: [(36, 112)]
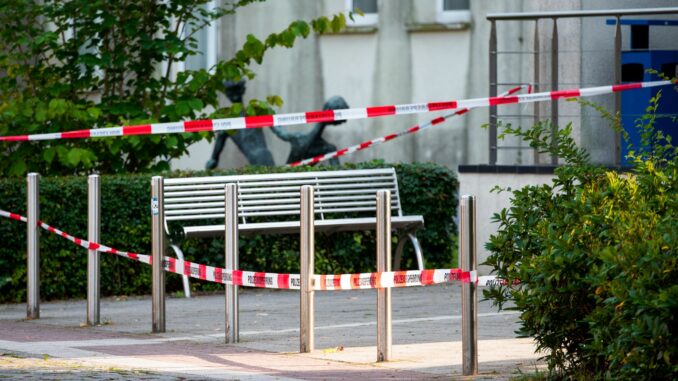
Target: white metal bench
[(344, 201)]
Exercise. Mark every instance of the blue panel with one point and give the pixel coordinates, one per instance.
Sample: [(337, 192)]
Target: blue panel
[(635, 102)]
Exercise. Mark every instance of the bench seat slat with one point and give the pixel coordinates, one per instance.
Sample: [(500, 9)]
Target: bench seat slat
[(275, 185), (406, 223)]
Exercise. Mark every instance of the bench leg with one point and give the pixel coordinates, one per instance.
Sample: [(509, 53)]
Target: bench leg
[(180, 255), (415, 245)]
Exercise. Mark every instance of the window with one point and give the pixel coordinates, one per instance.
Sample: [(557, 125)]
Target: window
[(206, 38), (453, 11), (368, 7)]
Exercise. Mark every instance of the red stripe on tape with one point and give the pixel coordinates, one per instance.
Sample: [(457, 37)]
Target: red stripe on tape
[(15, 216), (187, 268), (413, 129), (198, 125), (137, 130), (466, 276), (320, 116), (284, 281), (17, 138), (75, 134), (131, 255), (389, 137), (462, 111), (51, 230), (94, 246), (627, 86), (380, 111), (502, 100), (373, 280), (77, 241), (202, 271), (259, 280), (258, 121), (342, 151), (427, 277), (435, 106), (355, 280), (172, 265), (237, 277), (564, 94), (400, 279), (364, 145), (218, 275), (437, 121)]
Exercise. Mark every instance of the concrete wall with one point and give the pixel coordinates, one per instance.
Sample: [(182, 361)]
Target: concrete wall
[(489, 203), (407, 57)]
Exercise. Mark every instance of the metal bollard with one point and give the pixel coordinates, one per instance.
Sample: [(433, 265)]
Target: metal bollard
[(33, 246), (467, 239), (158, 254), (231, 254), (307, 220), (384, 339), (93, 223)]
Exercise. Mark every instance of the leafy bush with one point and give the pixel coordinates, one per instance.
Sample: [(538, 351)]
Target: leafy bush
[(595, 252), (425, 189)]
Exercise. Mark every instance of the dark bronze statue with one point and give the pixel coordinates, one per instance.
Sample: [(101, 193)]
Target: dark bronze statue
[(305, 145), (251, 142)]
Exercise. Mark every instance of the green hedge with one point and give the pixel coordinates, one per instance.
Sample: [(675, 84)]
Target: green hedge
[(425, 189)]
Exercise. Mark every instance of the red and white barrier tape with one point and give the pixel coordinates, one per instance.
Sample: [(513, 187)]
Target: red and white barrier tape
[(327, 115), (274, 280), (383, 139)]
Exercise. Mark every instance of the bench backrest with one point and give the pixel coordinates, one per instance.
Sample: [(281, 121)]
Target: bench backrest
[(266, 195)]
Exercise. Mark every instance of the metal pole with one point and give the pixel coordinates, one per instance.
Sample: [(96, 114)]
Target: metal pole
[(617, 80), (535, 87), (493, 93), (158, 254), (33, 245), (307, 251), (384, 338), (231, 254), (93, 222), (469, 334), (554, 87)]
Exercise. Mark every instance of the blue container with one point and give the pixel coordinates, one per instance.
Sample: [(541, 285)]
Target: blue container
[(635, 102)]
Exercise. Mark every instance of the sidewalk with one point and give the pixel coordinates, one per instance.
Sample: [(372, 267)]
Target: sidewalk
[(426, 339)]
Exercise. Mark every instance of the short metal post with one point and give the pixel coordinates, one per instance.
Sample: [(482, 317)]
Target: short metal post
[(231, 254), (33, 245), (307, 229), (93, 222), (469, 334), (384, 338), (158, 254)]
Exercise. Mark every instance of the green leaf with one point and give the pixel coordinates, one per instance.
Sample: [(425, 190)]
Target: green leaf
[(17, 168), (48, 154), (94, 112), (196, 104), (73, 157)]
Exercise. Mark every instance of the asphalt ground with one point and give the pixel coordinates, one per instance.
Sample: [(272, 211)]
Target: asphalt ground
[(426, 339)]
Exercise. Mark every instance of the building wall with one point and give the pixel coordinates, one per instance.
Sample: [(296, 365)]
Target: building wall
[(406, 58)]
